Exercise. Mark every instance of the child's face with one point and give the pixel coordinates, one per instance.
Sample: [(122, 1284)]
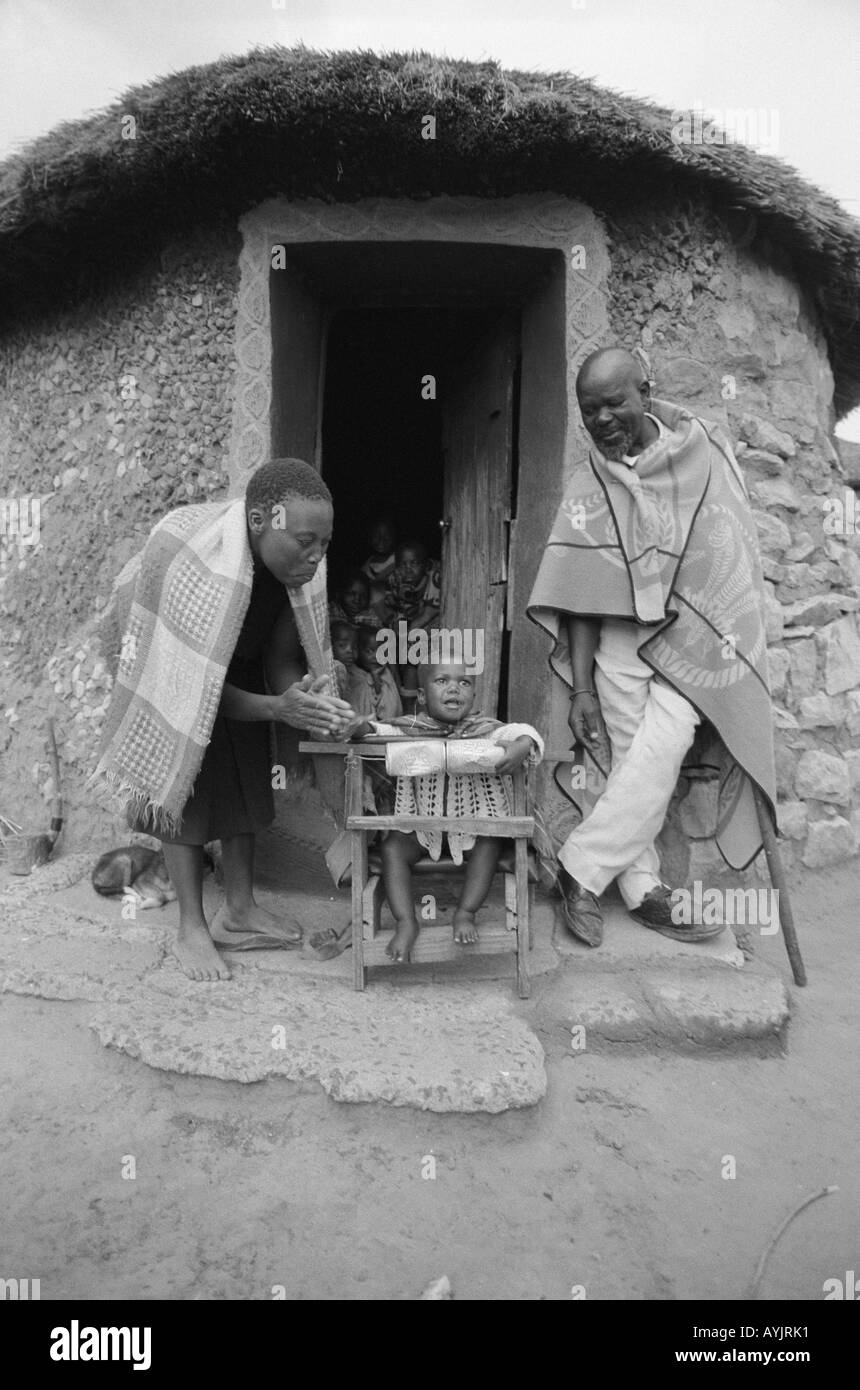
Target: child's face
[(367, 646), (411, 566), (344, 645), (381, 539), (355, 597), (449, 693)]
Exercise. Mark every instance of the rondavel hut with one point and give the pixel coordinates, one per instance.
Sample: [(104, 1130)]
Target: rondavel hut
[(392, 266)]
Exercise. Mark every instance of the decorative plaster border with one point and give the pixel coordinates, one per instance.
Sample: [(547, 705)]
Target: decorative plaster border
[(544, 221)]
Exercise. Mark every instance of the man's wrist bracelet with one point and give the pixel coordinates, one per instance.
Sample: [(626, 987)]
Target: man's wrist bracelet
[(583, 692)]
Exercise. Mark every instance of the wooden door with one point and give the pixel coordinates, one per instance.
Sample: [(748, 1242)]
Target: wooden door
[(477, 420)]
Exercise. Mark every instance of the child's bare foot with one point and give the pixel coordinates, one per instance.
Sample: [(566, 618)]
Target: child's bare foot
[(196, 954), (465, 930), (255, 919), (400, 946)]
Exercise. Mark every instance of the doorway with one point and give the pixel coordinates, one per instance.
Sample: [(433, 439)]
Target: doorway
[(418, 426)]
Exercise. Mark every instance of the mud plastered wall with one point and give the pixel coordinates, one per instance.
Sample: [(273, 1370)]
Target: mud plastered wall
[(109, 416), (737, 341)]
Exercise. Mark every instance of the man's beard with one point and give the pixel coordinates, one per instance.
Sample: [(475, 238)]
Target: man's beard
[(618, 448)]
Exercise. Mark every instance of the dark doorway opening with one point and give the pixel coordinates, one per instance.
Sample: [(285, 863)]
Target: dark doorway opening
[(381, 437)]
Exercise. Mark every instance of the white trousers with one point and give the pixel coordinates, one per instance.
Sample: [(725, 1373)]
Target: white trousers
[(650, 728)]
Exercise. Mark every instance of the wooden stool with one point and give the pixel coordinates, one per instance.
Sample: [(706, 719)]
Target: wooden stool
[(436, 942)]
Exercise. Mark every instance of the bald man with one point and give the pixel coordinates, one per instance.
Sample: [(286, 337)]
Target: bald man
[(638, 614)]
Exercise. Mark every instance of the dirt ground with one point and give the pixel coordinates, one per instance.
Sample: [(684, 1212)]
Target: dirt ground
[(613, 1183)]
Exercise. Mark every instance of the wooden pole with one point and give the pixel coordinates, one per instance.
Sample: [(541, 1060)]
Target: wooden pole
[(778, 879)]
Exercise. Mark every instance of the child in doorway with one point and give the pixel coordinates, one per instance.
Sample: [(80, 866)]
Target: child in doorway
[(351, 603), (372, 690), (379, 564), (446, 695), (344, 647), (413, 596)]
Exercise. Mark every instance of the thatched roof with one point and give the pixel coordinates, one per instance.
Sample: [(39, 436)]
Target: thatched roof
[(216, 140)]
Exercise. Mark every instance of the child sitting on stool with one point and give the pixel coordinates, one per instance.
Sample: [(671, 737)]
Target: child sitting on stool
[(445, 697)]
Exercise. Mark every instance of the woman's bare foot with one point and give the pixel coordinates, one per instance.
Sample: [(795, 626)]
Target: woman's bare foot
[(256, 919), (196, 954), (465, 930), (400, 946)]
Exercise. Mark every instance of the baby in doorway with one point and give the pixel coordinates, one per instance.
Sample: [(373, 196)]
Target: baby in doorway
[(446, 695)]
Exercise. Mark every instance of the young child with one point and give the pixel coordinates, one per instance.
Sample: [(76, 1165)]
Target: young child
[(446, 695), (412, 592), (352, 602), (380, 562), (371, 689), (344, 646), (413, 596)]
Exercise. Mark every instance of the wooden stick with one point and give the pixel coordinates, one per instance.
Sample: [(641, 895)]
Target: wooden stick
[(780, 883)]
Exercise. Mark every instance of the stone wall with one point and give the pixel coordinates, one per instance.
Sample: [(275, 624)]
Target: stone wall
[(109, 415), (736, 340)]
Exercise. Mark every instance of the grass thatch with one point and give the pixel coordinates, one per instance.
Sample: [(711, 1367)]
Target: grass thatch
[(215, 140)]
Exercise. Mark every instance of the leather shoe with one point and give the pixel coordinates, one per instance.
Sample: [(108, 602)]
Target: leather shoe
[(580, 910), (655, 909)]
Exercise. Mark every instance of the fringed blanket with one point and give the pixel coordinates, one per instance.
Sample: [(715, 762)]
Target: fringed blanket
[(672, 544), (180, 605)]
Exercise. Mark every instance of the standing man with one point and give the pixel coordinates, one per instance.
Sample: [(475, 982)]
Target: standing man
[(224, 631), (651, 590)]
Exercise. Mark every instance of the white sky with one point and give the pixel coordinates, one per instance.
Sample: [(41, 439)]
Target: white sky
[(800, 59)]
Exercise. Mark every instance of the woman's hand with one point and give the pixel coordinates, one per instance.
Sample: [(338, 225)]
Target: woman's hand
[(303, 705), (515, 754), (587, 726)]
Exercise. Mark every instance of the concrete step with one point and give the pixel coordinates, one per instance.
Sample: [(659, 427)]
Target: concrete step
[(642, 989)]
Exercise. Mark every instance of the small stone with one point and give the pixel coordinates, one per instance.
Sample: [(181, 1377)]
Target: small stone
[(803, 662), (773, 534), (760, 434), (777, 666), (829, 842), (774, 621), (822, 776), (771, 464), (777, 492), (849, 568), (792, 818), (802, 548), (819, 610), (849, 455), (841, 655), (852, 761), (783, 720), (197, 300), (817, 711)]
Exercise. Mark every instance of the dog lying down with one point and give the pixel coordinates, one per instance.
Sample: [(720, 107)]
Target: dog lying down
[(139, 872)]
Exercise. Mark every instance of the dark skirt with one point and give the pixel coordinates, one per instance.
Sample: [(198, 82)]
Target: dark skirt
[(233, 791)]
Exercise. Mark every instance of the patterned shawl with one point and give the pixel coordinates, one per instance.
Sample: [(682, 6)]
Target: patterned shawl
[(672, 544), (180, 605)]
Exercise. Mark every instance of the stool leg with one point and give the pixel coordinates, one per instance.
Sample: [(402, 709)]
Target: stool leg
[(359, 874), (521, 860), (358, 848)]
